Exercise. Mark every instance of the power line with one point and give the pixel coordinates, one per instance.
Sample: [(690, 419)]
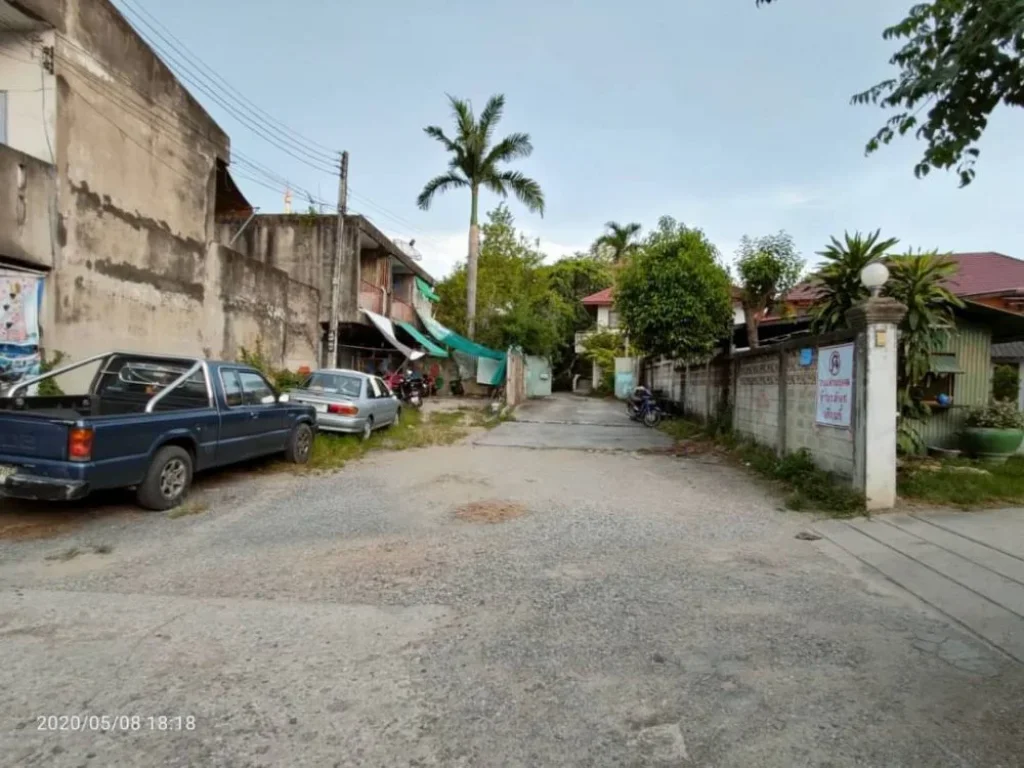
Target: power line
[(214, 74), (193, 74)]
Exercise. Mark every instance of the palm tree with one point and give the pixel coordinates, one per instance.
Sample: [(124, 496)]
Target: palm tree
[(620, 239), (475, 162), (839, 278)]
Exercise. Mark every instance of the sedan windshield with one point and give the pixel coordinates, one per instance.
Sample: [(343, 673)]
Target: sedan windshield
[(335, 384)]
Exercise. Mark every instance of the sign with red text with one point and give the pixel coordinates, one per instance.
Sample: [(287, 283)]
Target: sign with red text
[(835, 385)]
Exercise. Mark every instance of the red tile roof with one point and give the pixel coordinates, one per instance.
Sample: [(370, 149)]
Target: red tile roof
[(599, 299), (977, 274), (981, 273)]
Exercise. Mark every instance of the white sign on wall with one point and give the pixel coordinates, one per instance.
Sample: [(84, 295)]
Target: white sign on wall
[(835, 385)]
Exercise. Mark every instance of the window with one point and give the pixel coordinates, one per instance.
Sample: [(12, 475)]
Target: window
[(613, 318), (335, 384), (372, 389), (232, 388), (254, 388), (939, 384), (3, 117), (383, 387)]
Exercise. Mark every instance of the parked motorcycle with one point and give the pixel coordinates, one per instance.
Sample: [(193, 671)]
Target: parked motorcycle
[(643, 407), (409, 390)]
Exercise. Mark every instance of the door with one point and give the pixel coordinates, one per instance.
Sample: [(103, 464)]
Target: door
[(388, 402), (267, 428), (235, 420)]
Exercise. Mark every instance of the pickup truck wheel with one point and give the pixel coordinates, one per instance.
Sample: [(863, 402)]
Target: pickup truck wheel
[(300, 444), (167, 480)]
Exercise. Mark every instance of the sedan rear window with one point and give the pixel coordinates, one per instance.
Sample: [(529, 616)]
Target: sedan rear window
[(335, 384)]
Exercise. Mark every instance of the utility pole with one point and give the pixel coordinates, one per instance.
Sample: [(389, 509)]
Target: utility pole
[(339, 256)]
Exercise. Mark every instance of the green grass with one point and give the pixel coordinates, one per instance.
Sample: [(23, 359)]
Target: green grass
[(808, 486), (953, 483), (415, 431)]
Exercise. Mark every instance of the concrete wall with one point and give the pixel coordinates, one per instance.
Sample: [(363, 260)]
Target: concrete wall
[(31, 93), (136, 159), (765, 394), (27, 209)]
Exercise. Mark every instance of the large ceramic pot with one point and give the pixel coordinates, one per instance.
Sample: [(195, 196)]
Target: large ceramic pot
[(993, 445)]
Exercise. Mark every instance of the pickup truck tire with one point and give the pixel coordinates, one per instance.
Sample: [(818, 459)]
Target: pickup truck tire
[(300, 444), (167, 480)]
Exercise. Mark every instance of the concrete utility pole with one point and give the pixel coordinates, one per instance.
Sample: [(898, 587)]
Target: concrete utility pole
[(339, 255)]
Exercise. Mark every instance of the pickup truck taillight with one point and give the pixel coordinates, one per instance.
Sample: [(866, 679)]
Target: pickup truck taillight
[(80, 444), (342, 410)]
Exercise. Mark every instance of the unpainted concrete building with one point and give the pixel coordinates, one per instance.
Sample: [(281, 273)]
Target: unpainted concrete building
[(111, 180)]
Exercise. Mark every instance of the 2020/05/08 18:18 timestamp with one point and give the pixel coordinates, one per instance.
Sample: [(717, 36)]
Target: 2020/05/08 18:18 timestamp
[(115, 723)]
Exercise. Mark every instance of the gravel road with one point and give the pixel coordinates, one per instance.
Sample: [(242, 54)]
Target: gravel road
[(481, 605)]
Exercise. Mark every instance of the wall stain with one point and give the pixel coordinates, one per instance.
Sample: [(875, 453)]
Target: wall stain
[(133, 274)]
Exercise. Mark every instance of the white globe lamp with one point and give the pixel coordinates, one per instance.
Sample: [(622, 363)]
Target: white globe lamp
[(874, 276)]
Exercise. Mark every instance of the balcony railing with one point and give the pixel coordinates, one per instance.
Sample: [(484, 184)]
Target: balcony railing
[(371, 297), (402, 311)]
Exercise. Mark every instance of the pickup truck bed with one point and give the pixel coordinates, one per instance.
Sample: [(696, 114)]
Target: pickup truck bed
[(143, 414)]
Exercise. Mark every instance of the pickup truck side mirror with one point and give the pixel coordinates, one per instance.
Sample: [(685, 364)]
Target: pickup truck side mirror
[(268, 400), (283, 398)]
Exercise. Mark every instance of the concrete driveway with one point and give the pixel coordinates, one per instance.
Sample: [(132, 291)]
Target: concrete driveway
[(481, 605), (572, 422)]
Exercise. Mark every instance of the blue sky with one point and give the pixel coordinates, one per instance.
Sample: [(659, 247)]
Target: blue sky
[(729, 117)]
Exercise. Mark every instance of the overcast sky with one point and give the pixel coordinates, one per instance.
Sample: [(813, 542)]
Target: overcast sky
[(729, 117)]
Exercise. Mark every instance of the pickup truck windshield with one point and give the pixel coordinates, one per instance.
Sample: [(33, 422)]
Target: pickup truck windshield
[(141, 378), (335, 384)]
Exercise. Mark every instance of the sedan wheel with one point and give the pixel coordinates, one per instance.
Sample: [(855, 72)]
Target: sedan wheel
[(367, 428)]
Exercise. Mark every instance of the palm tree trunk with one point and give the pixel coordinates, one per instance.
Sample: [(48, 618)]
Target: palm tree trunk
[(472, 265)]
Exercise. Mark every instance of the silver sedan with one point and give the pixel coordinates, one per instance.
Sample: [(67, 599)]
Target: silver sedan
[(349, 401)]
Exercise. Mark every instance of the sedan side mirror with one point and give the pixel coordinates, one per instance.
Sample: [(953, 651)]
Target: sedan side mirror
[(283, 398)]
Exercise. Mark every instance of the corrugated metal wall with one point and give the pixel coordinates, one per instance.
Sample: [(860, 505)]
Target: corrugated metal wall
[(972, 345)]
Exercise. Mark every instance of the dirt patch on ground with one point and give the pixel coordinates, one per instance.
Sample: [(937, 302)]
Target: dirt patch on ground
[(688, 448), (489, 511)]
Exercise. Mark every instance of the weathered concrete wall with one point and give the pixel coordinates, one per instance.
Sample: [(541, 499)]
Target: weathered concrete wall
[(831, 447), (136, 160), (31, 93), (756, 401), (27, 209)]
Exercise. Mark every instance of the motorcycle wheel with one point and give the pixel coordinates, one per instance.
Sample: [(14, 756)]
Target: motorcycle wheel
[(652, 418), (415, 401)]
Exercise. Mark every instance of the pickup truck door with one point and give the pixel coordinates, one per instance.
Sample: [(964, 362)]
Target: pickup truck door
[(268, 431), (236, 421)]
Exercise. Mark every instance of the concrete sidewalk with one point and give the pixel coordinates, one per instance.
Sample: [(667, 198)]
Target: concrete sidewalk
[(969, 566)]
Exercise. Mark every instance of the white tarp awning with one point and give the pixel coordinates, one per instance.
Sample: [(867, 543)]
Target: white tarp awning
[(387, 330)]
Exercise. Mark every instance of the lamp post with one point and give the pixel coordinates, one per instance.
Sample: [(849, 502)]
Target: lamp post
[(874, 276)]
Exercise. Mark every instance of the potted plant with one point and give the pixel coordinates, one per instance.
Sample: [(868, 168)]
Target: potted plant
[(995, 432)]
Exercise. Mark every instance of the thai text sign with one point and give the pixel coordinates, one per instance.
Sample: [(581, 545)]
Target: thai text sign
[(835, 385)]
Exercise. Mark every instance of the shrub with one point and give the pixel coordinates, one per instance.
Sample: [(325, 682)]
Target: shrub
[(998, 415), (1006, 383)]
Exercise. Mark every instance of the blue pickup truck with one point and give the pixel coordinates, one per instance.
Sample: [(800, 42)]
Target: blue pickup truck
[(149, 422)]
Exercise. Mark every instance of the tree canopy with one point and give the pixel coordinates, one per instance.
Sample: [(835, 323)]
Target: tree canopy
[(674, 295), (521, 300), (619, 240), (960, 59), (768, 267)]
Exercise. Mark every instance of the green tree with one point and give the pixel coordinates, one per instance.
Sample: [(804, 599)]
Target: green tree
[(960, 60), (768, 267), (674, 297), (476, 162), (620, 240), (839, 277), (517, 303), (573, 278)]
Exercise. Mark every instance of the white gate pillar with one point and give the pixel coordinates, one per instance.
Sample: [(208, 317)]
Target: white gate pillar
[(876, 321)]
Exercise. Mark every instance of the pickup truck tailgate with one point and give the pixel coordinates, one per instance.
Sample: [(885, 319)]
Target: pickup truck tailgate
[(32, 437)]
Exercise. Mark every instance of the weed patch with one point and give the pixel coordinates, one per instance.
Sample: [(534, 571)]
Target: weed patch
[(962, 483), (187, 509), (809, 486)]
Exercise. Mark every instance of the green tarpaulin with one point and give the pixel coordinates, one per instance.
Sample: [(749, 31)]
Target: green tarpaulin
[(462, 344), (426, 290), (432, 349)]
